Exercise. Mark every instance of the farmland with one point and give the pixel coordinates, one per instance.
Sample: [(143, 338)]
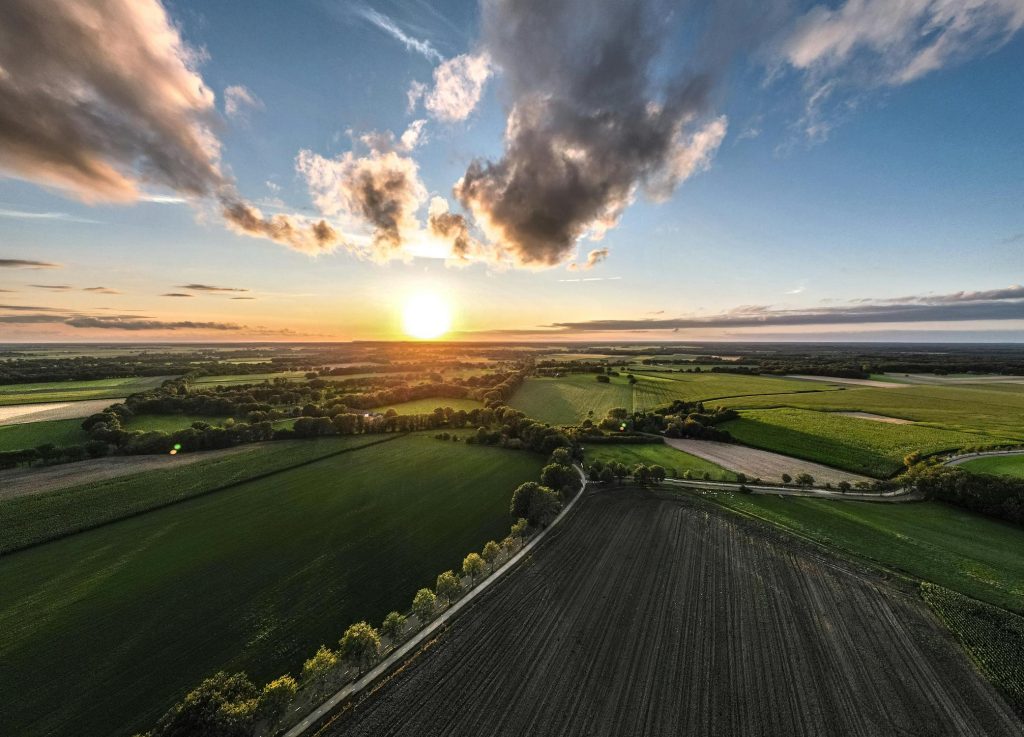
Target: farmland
[(33, 434), (676, 462), (649, 616), (567, 400), (423, 406), (102, 631), (998, 465), (70, 391), (851, 443), (13, 414), (975, 555), (169, 423)]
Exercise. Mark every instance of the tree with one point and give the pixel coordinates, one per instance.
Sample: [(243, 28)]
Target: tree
[(641, 474), (658, 473), (741, 478), (607, 475), (360, 644), (423, 605), (518, 528), (316, 670), (472, 566), (538, 504), (393, 626), (275, 698), (786, 478), (804, 479), (220, 706), (844, 486), (561, 457), (602, 379), (448, 586), (620, 471), (490, 554), (558, 476)]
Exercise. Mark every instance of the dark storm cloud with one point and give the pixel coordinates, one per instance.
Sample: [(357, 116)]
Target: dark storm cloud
[(593, 117)]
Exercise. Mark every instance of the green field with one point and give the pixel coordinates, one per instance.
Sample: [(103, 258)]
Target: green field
[(34, 434), (70, 391), (990, 410), (426, 406), (975, 555), (229, 379), (566, 400), (853, 444), (676, 462), (101, 631), (29, 520), (169, 423), (997, 465)]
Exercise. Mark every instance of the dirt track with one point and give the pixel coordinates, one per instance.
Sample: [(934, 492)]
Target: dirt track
[(762, 464), (16, 414), (647, 616)]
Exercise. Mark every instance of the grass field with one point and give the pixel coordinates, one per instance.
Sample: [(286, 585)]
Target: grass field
[(998, 465), (992, 410), (566, 400), (853, 444), (975, 555), (65, 391), (426, 406), (102, 631), (36, 518), (676, 462), (34, 434), (228, 379), (169, 423)]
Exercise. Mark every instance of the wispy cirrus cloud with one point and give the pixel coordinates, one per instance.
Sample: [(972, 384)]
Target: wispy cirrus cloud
[(43, 216), (53, 287), (385, 23), (211, 288)]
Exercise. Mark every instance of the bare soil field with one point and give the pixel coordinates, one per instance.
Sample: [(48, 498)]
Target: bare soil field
[(855, 382), (645, 615), (23, 481), (877, 418), (762, 464), (16, 414)]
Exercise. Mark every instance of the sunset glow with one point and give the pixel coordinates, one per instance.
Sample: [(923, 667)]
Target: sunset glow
[(426, 316)]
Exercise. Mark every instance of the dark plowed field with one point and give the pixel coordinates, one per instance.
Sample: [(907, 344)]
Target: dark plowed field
[(649, 616)]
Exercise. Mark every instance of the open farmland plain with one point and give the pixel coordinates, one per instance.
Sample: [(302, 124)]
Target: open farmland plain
[(644, 615), (428, 405), (998, 465), (102, 631), (851, 443), (676, 462), (567, 400), (33, 434), (14, 414)]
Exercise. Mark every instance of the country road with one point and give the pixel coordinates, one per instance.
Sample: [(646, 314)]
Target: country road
[(964, 458)]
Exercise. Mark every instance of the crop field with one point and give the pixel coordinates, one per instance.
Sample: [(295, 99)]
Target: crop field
[(966, 552), (428, 405), (34, 516), (675, 462), (997, 465), (567, 400), (100, 632), (229, 379), (13, 414), (34, 434), (851, 443), (650, 616), (70, 391), (653, 391), (995, 410), (170, 423)]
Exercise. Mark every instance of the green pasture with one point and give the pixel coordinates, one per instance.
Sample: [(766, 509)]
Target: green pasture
[(675, 462), (70, 391)]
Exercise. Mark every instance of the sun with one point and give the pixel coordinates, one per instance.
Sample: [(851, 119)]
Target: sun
[(426, 316)]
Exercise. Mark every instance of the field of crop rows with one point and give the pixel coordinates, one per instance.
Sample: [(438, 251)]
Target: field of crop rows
[(649, 616)]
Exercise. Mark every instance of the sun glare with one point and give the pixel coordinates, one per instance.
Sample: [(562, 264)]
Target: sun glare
[(426, 316)]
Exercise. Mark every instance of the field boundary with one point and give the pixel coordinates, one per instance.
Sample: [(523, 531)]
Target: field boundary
[(214, 490), (956, 460), (399, 654)]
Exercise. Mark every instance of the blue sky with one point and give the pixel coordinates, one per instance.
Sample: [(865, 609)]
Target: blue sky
[(916, 191)]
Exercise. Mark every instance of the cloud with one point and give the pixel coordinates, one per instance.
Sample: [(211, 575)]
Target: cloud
[(118, 323), (53, 287), (26, 308), (297, 233), (177, 294), (413, 96), (211, 288), (101, 290), (458, 86), (598, 111), (21, 263), (386, 24), (593, 259), (902, 41), (381, 190), (996, 304), (239, 100), (243, 298), (61, 216), (453, 231)]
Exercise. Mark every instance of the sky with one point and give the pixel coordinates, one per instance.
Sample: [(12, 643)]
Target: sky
[(585, 170)]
